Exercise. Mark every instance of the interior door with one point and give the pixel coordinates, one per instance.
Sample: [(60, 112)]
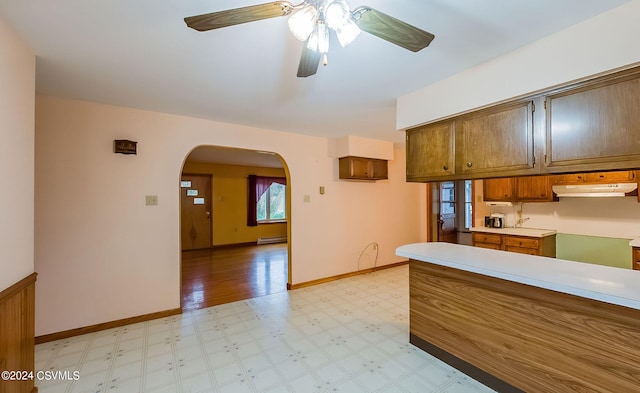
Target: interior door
[(195, 200), (447, 230)]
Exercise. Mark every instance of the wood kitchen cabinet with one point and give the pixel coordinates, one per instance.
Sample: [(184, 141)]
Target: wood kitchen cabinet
[(499, 139), (636, 258), (534, 189), (596, 177), (499, 190), (487, 240), (581, 127), (361, 168), (595, 126), (430, 151), (519, 189), (543, 246)]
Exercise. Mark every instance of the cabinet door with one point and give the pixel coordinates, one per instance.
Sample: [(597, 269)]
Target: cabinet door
[(379, 169), (595, 127), (500, 139), (611, 177), (498, 190), (569, 178), (430, 151), (534, 189)]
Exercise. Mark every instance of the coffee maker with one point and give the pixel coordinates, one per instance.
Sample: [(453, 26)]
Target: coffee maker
[(497, 220)]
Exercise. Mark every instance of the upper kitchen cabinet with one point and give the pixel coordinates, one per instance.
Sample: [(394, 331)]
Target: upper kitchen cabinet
[(518, 189), (499, 190), (595, 126), (534, 189), (496, 142), (361, 168), (430, 152)]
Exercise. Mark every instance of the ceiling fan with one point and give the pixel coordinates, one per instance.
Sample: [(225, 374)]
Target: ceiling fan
[(312, 20)]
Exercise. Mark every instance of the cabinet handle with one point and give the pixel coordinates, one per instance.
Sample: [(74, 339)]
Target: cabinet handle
[(446, 168), (469, 165)]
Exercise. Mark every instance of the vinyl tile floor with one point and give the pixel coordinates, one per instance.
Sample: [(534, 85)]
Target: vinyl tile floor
[(349, 335)]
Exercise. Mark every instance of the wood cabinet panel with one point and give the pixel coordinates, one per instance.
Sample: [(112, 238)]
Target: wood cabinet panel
[(361, 168), (636, 258), (595, 177), (520, 241), (498, 190), (610, 177), (544, 246), (488, 245), (500, 139), (569, 178), (430, 151), (490, 238), (596, 126), (17, 333), (534, 189), (534, 339), (520, 189)]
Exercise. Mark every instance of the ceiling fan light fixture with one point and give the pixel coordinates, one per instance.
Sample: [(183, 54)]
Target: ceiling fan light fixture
[(303, 22), (348, 33), (336, 14), (319, 38)]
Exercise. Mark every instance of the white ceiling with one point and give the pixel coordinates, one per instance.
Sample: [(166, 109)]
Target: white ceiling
[(141, 54)]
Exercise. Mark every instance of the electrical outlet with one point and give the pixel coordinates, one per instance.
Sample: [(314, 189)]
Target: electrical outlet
[(151, 200)]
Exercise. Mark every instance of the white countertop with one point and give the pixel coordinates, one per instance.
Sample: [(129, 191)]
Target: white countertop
[(530, 232), (607, 284), (635, 242)]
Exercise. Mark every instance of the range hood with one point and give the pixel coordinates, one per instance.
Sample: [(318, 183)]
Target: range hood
[(594, 190)]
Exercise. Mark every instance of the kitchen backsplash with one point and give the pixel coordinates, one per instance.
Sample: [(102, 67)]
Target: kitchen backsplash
[(615, 217)]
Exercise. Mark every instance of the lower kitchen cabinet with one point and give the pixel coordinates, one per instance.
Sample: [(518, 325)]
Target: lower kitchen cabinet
[(487, 240), (543, 246), (636, 258)]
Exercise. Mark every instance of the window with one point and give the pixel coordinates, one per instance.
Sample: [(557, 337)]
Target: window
[(271, 205), (468, 204), (447, 198), (266, 200)]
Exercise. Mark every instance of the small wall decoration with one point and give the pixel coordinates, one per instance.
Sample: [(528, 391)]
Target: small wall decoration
[(124, 146)]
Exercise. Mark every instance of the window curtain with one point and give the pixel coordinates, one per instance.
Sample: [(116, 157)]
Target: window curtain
[(256, 187)]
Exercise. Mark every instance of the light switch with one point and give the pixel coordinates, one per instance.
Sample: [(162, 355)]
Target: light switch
[(151, 200), (307, 199)]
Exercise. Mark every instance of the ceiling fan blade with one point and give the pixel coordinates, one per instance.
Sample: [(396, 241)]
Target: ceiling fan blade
[(216, 20), (309, 62), (391, 29)]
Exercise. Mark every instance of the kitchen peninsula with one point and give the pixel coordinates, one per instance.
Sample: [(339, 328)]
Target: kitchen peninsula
[(520, 322)]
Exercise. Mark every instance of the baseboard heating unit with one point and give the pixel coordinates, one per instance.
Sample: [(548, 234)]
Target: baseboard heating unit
[(272, 240)]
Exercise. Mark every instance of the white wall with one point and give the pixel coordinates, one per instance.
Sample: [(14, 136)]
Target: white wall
[(604, 217), (17, 95), (102, 255), (605, 42)]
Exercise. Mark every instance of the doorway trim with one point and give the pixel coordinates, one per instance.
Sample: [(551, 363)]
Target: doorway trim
[(290, 217)]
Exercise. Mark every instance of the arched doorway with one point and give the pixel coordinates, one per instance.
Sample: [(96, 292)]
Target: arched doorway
[(235, 260)]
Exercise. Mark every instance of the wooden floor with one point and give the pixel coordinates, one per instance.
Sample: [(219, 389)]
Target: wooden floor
[(224, 275)]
